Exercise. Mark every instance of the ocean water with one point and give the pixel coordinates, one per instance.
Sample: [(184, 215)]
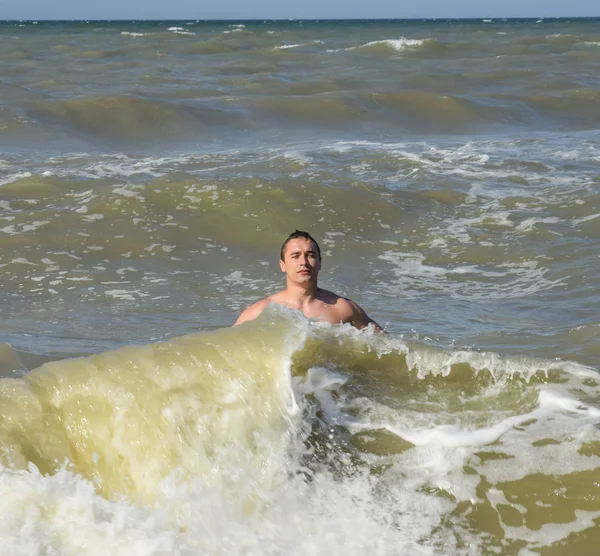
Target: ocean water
[(149, 172)]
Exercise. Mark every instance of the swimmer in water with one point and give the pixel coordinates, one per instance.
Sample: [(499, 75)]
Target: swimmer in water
[(301, 262)]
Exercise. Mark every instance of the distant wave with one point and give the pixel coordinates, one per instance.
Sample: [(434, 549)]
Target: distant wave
[(127, 118), (286, 46), (397, 45), (179, 31)]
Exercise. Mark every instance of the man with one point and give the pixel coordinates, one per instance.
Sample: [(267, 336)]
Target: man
[(301, 262)]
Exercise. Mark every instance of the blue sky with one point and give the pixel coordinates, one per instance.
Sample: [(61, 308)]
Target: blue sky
[(278, 9)]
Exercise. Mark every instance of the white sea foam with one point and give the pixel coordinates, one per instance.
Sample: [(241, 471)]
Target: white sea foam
[(479, 162), (453, 436), (439, 363), (297, 156), (585, 219), (22, 260), (66, 516), (180, 31), (15, 177), (125, 295), (131, 34), (415, 277), (128, 190), (530, 223), (396, 44), (32, 226), (93, 217), (286, 46)]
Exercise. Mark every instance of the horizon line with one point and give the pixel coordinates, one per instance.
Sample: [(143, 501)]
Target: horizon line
[(303, 19)]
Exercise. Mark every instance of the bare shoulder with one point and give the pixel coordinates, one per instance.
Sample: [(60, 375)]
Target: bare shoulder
[(353, 313), (252, 312), (350, 308)]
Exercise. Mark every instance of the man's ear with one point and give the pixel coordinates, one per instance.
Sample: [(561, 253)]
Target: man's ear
[(281, 265)]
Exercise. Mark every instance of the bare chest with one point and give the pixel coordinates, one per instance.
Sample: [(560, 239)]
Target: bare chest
[(325, 312)]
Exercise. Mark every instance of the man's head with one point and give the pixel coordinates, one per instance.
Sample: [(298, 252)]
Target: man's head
[(298, 234), (300, 258)]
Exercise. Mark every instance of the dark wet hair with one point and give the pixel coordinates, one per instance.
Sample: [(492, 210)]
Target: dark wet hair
[(298, 234)]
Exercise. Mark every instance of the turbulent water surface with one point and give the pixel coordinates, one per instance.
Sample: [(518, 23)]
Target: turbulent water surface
[(149, 172)]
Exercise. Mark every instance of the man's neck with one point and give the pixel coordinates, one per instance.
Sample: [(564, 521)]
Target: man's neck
[(301, 295)]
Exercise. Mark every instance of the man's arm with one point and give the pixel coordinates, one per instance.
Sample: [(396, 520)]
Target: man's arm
[(360, 319), (252, 312)]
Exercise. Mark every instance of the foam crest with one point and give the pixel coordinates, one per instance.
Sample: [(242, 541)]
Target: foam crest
[(286, 46), (180, 31), (440, 362), (395, 44), (15, 177)]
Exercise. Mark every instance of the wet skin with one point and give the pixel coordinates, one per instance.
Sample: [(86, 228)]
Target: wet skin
[(301, 265)]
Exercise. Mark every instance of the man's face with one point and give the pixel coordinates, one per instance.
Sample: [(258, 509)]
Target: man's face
[(301, 262)]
